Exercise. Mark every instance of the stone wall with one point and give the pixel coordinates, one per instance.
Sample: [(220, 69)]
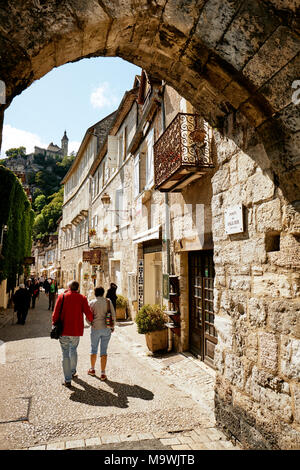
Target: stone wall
[(257, 298)]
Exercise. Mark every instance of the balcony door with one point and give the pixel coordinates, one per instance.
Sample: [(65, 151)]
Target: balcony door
[(203, 336)]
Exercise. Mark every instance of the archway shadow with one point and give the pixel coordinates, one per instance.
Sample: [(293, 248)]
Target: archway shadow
[(94, 396)]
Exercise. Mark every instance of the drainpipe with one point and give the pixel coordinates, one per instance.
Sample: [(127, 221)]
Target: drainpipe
[(167, 215)]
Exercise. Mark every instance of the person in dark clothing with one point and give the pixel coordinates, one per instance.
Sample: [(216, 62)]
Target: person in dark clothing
[(35, 289), (46, 286), (53, 289), (30, 287), (21, 299), (112, 294)]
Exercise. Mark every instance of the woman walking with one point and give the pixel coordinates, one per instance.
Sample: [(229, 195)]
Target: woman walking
[(100, 332)]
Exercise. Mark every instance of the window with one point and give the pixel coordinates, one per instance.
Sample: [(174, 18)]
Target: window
[(125, 143), (106, 171)]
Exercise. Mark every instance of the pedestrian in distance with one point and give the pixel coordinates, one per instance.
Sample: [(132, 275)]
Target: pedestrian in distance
[(74, 305), (46, 286), (53, 289), (100, 331), (112, 294), (21, 300), (30, 287), (35, 292)]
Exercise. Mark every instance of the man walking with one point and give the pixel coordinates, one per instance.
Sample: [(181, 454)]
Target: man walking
[(112, 294), (21, 300), (53, 289), (74, 305)]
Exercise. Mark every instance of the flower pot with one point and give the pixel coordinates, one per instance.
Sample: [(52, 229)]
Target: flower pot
[(120, 313), (157, 340)]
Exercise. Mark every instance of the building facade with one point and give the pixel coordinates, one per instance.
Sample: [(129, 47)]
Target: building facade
[(184, 216), (74, 226)]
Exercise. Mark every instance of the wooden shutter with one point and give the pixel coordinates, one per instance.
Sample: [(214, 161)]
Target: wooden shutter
[(118, 206), (150, 160), (112, 151)]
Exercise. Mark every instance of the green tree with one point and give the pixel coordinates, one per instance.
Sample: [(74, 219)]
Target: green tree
[(17, 215), (40, 202), (46, 222), (16, 152)]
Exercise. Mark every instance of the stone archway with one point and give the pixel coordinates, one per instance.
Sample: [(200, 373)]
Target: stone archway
[(217, 54), (236, 61)]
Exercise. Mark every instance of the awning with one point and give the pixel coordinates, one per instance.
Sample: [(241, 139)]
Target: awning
[(151, 234)]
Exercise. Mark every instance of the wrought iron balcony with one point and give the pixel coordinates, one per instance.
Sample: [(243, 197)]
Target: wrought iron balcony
[(182, 153)]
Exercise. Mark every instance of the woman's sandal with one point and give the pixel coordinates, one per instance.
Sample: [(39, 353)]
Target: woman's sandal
[(103, 377), (91, 372)]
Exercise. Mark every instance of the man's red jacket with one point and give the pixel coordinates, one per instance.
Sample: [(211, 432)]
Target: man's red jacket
[(74, 306)]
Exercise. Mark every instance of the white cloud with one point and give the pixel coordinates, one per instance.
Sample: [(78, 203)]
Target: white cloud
[(13, 138), (103, 96), (73, 146)]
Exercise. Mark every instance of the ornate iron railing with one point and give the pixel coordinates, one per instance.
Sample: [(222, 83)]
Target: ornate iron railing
[(184, 143)]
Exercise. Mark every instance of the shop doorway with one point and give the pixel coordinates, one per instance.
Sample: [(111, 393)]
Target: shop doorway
[(153, 278), (203, 335)]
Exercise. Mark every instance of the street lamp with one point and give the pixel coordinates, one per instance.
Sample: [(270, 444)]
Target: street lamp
[(105, 199)]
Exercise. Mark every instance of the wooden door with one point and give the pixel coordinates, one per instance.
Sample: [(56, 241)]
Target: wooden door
[(203, 336)]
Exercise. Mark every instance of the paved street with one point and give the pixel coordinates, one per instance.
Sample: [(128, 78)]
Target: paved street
[(149, 402)]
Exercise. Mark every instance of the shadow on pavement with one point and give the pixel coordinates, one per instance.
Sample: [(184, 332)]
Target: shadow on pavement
[(98, 397)]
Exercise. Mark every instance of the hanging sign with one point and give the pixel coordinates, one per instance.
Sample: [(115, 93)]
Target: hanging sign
[(92, 257)]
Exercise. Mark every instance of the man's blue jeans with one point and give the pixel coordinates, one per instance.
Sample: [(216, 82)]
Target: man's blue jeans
[(69, 346)]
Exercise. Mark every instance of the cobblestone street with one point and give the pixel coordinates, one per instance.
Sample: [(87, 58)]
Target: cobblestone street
[(149, 402)]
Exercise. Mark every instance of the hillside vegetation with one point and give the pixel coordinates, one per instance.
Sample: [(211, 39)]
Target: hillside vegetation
[(43, 175)]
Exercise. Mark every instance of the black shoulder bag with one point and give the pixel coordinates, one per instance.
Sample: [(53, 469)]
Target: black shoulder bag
[(57, 328)]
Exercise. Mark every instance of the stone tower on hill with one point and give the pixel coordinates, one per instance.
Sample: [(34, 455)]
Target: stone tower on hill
[(64, 144)]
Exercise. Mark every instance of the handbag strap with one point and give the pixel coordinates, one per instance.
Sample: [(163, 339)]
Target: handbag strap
[(61, 307)]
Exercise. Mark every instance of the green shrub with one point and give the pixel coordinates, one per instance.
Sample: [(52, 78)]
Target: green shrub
[(16, 213), (121, 301), (150, 318)]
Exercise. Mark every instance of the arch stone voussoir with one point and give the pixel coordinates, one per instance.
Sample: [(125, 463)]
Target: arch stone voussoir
[(223, 56)]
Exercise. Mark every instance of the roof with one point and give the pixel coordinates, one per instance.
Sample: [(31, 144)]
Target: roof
[(89, 132), (128, 99)]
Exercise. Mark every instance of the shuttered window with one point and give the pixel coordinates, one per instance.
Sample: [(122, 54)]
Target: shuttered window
[(150, 160)]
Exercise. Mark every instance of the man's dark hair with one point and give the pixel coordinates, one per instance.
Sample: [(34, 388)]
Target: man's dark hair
[(74, 286), (99, 291)]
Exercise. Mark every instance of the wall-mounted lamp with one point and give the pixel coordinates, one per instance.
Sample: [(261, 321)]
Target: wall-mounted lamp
[(105, 199)]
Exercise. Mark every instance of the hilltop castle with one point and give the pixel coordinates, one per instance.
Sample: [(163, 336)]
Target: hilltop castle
[(54, 150)]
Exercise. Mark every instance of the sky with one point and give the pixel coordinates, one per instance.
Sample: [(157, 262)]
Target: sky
[(72, 98)]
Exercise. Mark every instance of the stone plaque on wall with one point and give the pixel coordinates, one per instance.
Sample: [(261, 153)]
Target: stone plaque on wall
[(233, 219)]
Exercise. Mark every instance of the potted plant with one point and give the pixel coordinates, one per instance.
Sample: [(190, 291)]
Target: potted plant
[(121, 304), (86, 276), (151, 321)]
